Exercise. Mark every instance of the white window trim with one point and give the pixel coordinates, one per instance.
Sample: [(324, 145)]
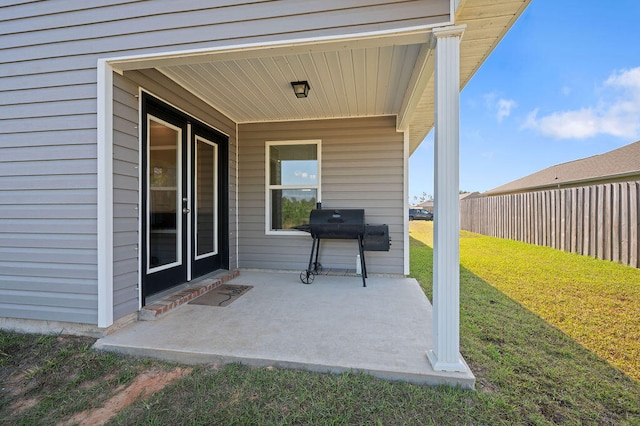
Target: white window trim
[(267, 192)]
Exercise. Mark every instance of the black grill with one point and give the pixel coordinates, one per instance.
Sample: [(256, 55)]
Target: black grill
[(344, 224)]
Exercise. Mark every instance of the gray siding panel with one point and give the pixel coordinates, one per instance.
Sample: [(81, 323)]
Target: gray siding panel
[(48, 156), (40, 94), (19, 183), (63, 285), (71, 107), (50, 241), (125, 194), (52, 153), (48, 124), (46, 197), (46, 270), (271, 20), (19, 83), (362, 167), (36, 211), (49, 312), (75, 167), (33, 140), (48, 260), (48, 218)]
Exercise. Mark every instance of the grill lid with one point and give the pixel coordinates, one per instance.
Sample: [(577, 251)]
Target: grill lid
[(337, 224)]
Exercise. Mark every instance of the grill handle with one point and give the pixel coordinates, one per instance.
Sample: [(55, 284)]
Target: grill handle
[(336, 217)]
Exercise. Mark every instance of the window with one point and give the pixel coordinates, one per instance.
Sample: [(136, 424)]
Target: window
[(292, 184)]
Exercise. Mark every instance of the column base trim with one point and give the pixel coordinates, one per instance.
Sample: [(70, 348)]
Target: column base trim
[(437, 365)]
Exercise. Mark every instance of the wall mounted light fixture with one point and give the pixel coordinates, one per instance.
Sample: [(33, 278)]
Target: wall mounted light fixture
[(300, 88)]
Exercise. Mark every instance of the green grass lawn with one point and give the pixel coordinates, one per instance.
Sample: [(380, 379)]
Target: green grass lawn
[(596, 303), (529, 370)]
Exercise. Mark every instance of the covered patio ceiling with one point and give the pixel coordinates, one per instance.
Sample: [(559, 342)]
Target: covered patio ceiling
[(388, 74)]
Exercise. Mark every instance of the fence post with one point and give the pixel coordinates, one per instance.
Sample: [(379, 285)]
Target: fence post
[(600, 222), (625, 192), (585, 221), (579, 217), (552, 232), (634, 224), (615, 223), (594, 221)]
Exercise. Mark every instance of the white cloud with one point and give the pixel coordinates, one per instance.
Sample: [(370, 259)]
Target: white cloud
[(626, 79), (501, 106), (504, 108), (617, 113)]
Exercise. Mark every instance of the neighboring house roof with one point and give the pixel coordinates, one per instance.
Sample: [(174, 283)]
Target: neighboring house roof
[(465, 195), (428, 205), (617, 165)]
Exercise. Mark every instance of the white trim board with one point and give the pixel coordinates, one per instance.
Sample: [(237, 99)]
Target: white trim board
[(409, 35)]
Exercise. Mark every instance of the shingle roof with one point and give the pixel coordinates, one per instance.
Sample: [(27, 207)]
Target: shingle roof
[(614, 164)]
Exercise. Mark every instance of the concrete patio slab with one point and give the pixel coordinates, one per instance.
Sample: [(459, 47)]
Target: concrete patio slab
[(332, 325)]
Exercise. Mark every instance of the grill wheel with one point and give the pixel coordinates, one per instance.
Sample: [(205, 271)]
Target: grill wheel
[(307, 276)]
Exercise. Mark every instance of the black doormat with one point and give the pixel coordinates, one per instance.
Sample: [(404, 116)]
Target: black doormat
[(223, 295)]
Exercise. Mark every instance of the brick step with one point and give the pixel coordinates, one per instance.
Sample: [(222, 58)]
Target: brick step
[(162, 307)]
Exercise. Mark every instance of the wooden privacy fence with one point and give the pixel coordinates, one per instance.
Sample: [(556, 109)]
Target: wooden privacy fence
[(600, 221)]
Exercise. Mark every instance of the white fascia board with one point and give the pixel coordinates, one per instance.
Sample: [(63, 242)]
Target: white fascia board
[(105, 193), (422, 74)]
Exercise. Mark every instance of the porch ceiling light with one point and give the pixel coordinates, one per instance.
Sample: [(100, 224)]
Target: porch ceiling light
[(300, 88)]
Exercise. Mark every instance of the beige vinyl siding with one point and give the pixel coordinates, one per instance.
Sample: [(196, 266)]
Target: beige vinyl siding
[(362, 163), (126, 173)]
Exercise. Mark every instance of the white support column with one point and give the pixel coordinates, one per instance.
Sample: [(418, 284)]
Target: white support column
[(105, 194), (445, 355)]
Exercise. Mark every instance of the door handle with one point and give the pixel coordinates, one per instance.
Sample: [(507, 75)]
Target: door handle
[(186, 211)]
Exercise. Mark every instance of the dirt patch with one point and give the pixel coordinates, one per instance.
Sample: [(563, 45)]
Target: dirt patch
[(23, 404), (17, 385), (143, 386)]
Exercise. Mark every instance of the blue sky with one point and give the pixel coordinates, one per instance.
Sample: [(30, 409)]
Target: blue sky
[(563, 84)]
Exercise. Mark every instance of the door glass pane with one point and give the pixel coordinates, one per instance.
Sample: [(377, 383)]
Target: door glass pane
[(164, 195), (206, 197)]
